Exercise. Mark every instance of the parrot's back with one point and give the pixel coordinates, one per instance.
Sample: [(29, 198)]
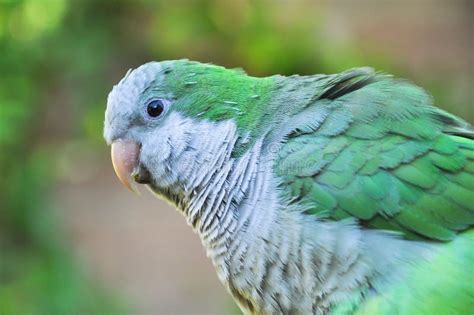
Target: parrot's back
[(371, 147)]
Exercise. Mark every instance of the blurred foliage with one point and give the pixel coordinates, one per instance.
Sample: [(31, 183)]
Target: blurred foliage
[(58, 60)]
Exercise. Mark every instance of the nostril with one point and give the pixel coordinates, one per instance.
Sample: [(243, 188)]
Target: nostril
[(142, 175)]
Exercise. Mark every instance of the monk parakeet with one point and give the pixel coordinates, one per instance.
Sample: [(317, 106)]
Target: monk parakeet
[(327, 194)]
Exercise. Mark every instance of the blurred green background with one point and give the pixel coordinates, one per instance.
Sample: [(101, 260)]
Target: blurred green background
[(71, 239)]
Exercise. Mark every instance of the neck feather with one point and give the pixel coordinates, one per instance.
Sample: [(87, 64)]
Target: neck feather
[(212, 185)]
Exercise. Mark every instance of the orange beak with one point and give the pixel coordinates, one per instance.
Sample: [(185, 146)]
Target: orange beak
[(125, 155)]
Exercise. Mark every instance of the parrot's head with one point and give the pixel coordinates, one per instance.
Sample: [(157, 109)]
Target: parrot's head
[(167, 121)]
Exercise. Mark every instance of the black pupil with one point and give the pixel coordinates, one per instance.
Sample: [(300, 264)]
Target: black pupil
[(155, 108)]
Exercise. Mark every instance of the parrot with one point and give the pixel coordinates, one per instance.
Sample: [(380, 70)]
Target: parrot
[(347, 193)]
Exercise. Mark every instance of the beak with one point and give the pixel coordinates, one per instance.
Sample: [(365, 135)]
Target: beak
[(125, 156)]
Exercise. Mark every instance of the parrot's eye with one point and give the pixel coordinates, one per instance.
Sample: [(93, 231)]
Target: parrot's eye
[(155, 108)]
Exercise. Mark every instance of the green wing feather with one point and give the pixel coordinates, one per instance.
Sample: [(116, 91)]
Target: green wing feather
[(383, 154)]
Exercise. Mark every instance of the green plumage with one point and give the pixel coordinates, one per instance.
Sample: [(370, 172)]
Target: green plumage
[(383, 154)]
